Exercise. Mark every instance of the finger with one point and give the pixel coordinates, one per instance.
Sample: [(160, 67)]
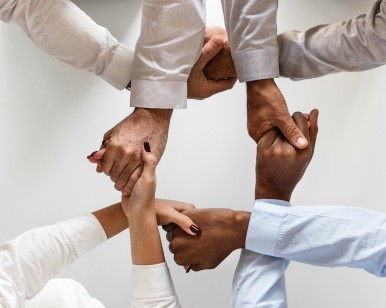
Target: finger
[(169, 227), (268, 138), (292, 133), (184, 222), (169, 236), (129, 175), (212, 48), (150, 162), (128, 188), (108, 159), (302, 123), (220, 85), (313, 126)]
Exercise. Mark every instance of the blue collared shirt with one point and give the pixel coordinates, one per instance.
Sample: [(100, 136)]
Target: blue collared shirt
[(327, 236)]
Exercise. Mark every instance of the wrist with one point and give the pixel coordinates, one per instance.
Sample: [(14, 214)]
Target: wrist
[(159, 114), (261, 85), (268, 192), (241, 222)]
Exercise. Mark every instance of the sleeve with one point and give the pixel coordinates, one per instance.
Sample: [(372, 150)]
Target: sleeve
[(172, 33), (259, 281), (63, 30), (153, 287), (328, 236), (30, 260), (252, 32), (354, 45)]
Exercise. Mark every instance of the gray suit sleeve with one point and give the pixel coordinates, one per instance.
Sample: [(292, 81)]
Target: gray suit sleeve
[(354, 45)]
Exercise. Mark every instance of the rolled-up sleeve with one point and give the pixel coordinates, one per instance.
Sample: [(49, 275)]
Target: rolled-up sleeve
[(171, 39)]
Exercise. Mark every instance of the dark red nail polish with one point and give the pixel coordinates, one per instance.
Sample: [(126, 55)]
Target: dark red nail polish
[(104, 142), (146, 146), (88, 157), (195, 229), (92, 154), (189, 268)]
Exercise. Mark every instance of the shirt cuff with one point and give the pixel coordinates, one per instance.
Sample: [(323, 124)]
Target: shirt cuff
[(152, 281), (158, 94), (264, 225), (84, 232), (256, 64), (118, 73)]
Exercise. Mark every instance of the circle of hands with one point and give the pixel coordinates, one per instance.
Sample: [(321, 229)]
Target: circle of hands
[(285, 146)]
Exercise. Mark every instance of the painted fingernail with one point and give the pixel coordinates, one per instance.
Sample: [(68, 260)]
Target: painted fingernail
[(91, 155), (189, 268), (146, 146), (301, 141), (195, 229), (104, 142)]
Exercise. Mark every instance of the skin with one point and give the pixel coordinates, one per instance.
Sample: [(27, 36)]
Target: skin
[(266, 104), (143, 216), (120, 154), (279, 167)]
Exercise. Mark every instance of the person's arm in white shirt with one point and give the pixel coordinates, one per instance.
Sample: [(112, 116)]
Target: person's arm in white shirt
[(152, 283), (63, 30), (34, 257)]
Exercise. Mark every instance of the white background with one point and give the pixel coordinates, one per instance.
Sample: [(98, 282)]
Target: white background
[(52, 116)]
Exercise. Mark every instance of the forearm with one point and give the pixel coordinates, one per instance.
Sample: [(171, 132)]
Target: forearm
[(112, 219), (259, 281), (146, 247), (171, 38), (320, 235), (63, 30), (252, 32), (355, 45), (38, 255)]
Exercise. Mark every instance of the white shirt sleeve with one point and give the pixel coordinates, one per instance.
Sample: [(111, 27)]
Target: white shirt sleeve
[(252, 32), (171, 39), (63, 30), (259, 281), (320, 235), (34, 257), (153, 287)]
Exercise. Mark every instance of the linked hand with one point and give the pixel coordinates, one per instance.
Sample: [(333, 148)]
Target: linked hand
[(199, 86), (223, 231), (266, 108), (279, 165), (120, 154), (221, 66)]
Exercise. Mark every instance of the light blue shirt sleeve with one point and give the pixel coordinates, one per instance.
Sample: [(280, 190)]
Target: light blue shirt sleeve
[(327, 236), (259, 279)]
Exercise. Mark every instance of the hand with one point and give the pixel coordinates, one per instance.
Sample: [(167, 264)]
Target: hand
[(223, 231), (221, 66), (120, 153), (199, 87), (280, 166), (266, 108)]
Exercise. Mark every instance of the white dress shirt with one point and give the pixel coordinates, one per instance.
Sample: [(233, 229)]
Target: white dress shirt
[(29, 261), (170, 42), (327, 236)]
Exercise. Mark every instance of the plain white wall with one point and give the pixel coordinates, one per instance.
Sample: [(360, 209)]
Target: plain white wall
[(52, 116)]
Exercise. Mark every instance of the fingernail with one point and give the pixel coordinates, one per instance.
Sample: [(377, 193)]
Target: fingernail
[(218, 42), (189, 268), (104, 142), (195, 229), (301, 141), (146, 146), (91, 155)]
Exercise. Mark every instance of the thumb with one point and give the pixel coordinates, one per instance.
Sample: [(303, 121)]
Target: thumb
[(292, 133), (150, 162), (212, 48)]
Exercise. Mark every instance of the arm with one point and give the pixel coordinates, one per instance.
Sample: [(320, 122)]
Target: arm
[(320, 235), (252, 31), (355, 45), (63, 30), (31, 259)]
